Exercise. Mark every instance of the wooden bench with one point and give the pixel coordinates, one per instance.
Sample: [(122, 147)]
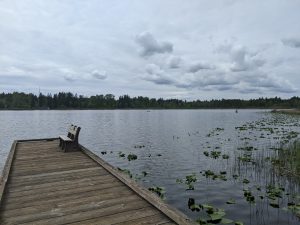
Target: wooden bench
[(70, 142)]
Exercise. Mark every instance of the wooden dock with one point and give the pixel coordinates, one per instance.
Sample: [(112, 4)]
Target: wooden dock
[(43, 185)]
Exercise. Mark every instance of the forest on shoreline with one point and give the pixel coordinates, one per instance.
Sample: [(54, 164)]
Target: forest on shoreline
[(67, 100)]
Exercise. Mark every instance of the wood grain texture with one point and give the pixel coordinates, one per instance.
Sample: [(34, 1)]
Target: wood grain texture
[(43, 185)]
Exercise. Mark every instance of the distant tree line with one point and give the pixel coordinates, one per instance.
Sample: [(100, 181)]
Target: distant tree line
[(67, 100)]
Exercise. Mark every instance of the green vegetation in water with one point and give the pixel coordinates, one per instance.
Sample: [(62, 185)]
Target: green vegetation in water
[(121, 155), (212, 215), (131, 157), (139, 146), (160, 191), (247, 148), (246, 158), (215, 132), (249, 196), (189, 181), (287, 160), (294, 208), (145, 173), (127, 172), (281, 156), (136, 177), (214, 176), (225, 156), (214, 154), (246, 181), (230, 201)]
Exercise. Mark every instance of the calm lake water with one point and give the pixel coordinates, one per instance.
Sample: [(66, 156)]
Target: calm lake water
[(173, 144)]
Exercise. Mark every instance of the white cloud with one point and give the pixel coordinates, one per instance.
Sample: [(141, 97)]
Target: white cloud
[(200, 66)]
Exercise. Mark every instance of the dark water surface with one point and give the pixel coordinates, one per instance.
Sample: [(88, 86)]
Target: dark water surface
[(170, 145)]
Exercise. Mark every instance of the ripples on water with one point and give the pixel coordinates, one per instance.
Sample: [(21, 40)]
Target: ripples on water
[(170, 144)]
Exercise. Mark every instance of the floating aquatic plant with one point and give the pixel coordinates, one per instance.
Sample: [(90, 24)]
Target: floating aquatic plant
[(248, 195), (225, 156), (145, 173), (160, 191), (131, 157), (230, 201), (214, 215), (190, 180), (139, 146), (214, 176), (121, 155), (126, 171), (246, 181)]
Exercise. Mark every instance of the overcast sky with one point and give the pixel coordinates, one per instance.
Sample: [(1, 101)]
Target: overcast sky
[(195, 49)]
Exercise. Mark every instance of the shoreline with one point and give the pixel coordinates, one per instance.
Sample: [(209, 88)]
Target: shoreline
[(77, 109), (287, 111)]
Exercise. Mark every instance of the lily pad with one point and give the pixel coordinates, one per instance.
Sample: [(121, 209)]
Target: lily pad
[(218, 215), (230, 201), (131, 157)]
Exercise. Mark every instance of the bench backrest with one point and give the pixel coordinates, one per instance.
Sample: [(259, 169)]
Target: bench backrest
[(73, 132)]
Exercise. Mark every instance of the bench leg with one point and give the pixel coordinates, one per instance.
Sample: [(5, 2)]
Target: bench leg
[(71, 147), (65, 146)]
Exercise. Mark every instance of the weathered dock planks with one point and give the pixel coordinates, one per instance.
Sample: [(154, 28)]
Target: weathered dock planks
[(43, 185)]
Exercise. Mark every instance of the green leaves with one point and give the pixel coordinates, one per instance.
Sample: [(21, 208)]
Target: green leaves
[(214, 176), (249, 197), (121, 155), (217, 215), (213, 215), (160, 191), (190, 180), (230, 201), (131, 157)]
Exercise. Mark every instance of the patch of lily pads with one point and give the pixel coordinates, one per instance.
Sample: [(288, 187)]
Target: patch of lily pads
[(160, 191), (212, 215), (215, 132), (189, 181), (131, 157), (210, 174), (212, 154)]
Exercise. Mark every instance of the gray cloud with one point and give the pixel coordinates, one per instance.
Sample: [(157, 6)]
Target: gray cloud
[(241, 58), (245, 82), (151, 46), (174, 62), (200, 66), (69, 77), (292, 42), (158, 76), (268, 83), (99, 75), (160, 80)]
